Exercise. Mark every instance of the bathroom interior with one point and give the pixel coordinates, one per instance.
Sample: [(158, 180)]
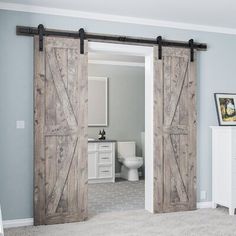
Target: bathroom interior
[(116, 132)]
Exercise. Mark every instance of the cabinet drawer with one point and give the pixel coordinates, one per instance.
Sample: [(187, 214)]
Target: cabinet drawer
[(92, 147), (92, 165), (105, 158), (104, 171), (105, 146)]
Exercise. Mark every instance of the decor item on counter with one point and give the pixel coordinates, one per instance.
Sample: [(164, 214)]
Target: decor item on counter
[(101, 135), (226, 108)]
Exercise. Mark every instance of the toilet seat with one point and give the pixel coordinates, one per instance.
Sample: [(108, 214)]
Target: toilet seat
[(131, 158)]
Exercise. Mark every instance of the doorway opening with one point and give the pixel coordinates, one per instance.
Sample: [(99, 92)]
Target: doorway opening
[(119, 77)]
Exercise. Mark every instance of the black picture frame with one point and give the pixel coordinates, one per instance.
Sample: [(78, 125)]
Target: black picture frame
[(231, 96)]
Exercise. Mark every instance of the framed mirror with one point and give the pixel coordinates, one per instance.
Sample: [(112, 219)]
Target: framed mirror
[(97, 101)]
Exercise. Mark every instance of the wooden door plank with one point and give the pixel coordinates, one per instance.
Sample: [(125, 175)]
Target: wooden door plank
[(183, 120), (167, 68), (192, 150), (61, 55), (157, 129), (51, 163), (174, 137), (83, 135), (73, 92), (39, 118)]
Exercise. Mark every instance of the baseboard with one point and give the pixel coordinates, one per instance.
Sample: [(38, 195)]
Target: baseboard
[(201, 205), (29, 221), (17, 223)]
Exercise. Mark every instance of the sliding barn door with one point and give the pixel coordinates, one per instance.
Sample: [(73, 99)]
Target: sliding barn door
[(174, 131), (60, 184)]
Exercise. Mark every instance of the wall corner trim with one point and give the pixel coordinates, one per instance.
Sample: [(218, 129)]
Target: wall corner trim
[(114, 18)]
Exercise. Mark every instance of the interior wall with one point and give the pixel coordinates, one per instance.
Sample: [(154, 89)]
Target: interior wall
[(126, 109), (216, 73)]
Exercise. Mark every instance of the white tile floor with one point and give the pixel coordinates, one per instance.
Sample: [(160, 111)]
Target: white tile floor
[(118, 196)]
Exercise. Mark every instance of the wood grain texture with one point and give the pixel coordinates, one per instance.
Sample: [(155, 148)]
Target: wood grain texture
[(39, 139), (62, 137), (174, 131), (158, 135), (192, 120)]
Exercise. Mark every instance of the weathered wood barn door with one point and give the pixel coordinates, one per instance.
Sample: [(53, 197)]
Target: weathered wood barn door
[(60, 90), (174, 131)]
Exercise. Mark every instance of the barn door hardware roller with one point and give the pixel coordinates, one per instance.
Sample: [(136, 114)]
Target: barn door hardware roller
[(82, 37), (41, 33), (191, 45), (159, 41)]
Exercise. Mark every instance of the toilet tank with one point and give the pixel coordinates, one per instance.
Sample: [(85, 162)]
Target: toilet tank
[(125, 149)]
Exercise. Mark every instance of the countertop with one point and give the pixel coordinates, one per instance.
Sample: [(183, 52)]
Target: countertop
[(102, 141)]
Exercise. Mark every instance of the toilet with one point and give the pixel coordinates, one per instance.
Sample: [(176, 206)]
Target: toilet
[(130, 163)]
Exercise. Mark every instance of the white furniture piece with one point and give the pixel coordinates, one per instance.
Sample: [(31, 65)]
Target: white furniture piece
[(1, 224), (224, 167), (130, 163), (101, 161)]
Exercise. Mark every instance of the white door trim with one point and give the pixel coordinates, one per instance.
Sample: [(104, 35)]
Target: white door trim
[(147, 52)]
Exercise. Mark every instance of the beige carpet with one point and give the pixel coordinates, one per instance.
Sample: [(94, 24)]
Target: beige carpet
[(201, 222)]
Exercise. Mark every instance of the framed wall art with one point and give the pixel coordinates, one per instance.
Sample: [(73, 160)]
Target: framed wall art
[(226, 108)]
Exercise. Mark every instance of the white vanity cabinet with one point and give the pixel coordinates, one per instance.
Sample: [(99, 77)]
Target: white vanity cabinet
[(224, 167), (101, 161)]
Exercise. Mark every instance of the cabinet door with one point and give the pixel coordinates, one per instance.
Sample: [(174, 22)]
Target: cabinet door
[(92, 165)]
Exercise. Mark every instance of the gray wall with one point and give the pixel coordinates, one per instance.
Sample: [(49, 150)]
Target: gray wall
[(216, 73), (126, 110)]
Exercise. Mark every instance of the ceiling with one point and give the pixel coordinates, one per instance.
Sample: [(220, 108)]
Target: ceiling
[(215, 13)]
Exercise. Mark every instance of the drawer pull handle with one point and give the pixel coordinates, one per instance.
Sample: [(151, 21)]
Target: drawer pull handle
[(105, 158), (105, 146), (105, 171)]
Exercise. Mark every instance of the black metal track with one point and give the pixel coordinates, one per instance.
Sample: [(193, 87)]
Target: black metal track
[(31, 31)]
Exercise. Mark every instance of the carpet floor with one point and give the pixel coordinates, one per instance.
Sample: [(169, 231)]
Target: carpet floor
[(202, 222)]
